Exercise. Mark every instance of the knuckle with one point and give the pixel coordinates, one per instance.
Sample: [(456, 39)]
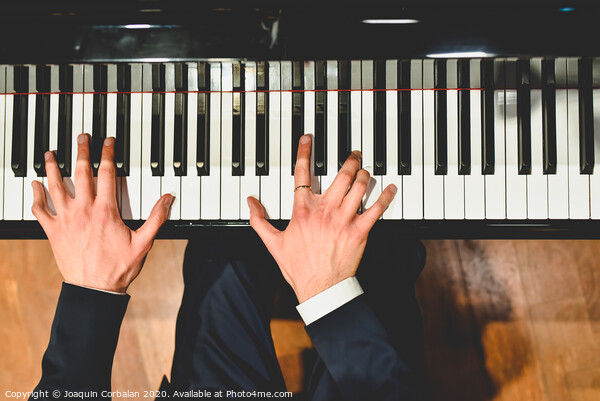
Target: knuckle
[(82, 166), (106, 168), (301, 213), (301, 170), (345, 175), (104, 212), (56, 188), (364, 174)]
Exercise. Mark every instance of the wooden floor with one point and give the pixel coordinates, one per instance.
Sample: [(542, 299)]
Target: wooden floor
[(504, 320)]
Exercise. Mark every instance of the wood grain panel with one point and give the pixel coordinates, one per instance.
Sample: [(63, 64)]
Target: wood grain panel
[(504, 320)]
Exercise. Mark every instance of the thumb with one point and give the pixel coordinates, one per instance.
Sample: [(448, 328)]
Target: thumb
[(263, 228), (159, 214)]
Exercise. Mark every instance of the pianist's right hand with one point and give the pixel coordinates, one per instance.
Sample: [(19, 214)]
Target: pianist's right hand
[(92, 246), (325, 239)]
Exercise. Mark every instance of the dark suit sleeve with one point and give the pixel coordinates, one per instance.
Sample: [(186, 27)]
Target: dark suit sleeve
[(357, 353), (83, 340)]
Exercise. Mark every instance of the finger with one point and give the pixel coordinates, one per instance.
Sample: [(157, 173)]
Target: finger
[(83, 170), (302, 170), (353, 200), (263, 228), (106, 173), (159, 214), (368, 218), (345, 177), (40, 207), (55, 182)]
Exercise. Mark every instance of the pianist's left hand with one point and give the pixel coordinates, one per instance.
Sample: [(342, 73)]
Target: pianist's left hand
[(92, 246)]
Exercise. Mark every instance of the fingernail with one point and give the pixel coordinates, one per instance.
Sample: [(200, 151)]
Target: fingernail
[(393, 188), (47, 155), (357, 154), (81, 138), (109, 141), (305, 139)]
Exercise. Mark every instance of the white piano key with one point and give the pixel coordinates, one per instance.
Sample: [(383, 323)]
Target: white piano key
[(250, 182), (368, 134), (169, 182), (355, 106), (558, 184), (151, 190), (537, 182), (516, 184), (111, 118), (230, 185), (595, 177), (3, 114), (270, 187), (190, 183), (287, 179), (433, 185), (309, 119), (394, 210), (495, 184), (31, 174), (13, 186), (131, 185), (88, 98), (53, 123), (210, 195), (76, 124), (332, 126), (454, 184), (579, 184), (412, 184), (475, 182)]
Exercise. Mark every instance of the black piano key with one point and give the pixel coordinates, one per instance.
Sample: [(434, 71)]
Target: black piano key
[(320, 157), (404, 143), (343, 112), (157, 140), (523, 115), (42, 119), (379, 130), (123, 112), (441, 119), (99, 115), (180, 129), (65, 119), (464, 117), (549, 115), (262, 121), (237, 155), (19, 134), (586, 117), (487, 117), (203, 120), (297, 108)]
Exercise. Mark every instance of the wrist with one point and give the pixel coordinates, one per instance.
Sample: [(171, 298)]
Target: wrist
[(311, 288)]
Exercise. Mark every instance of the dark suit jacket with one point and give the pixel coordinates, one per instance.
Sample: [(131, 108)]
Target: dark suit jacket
[(352, 344)]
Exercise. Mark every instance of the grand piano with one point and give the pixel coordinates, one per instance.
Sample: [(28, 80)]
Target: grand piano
[(486, 117)]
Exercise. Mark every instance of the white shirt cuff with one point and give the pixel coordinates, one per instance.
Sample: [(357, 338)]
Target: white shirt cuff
[(329, 300)]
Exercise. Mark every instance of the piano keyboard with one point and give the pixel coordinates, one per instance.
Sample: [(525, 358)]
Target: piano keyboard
[(474, 139)]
